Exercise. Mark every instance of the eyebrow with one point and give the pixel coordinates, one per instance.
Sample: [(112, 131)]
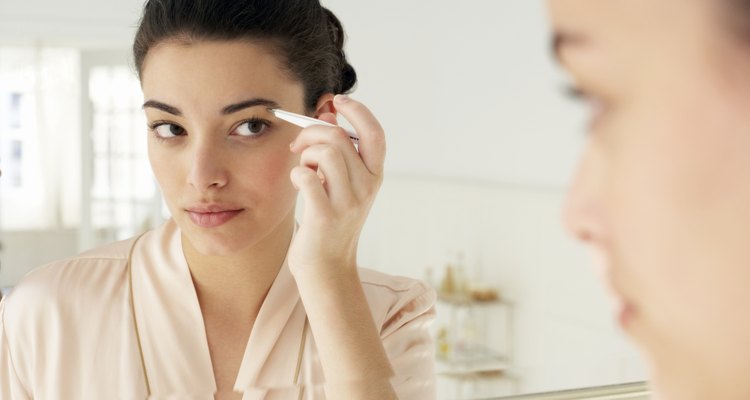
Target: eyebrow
[(233, 108), (162, 106), (230, 109)]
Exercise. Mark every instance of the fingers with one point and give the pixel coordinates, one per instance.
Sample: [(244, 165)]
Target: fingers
[(371, 135), (337, 137), (328, 161), (333, 174), (307, 182)]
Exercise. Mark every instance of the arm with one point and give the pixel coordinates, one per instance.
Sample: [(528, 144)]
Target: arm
[(404, 332), (351, 352), (338, 184)]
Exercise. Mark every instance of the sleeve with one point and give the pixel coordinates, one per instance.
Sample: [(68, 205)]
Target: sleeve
[(408, 342), (10, 384)]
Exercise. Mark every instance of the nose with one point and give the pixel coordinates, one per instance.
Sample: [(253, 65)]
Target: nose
[(582, 213), (208, 169)]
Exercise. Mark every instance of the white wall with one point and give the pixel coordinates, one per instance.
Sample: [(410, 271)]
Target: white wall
[(481, 145), (90, 23), (464, 91), (24, 250)]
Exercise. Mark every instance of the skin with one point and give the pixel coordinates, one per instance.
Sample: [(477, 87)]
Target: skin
[(211, 160), (662, 193)]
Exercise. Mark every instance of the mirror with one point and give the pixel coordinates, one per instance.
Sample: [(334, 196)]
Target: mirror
[(482, 141)]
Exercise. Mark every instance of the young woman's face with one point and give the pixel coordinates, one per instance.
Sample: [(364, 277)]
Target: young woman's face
[(662, 194), (221, 159)]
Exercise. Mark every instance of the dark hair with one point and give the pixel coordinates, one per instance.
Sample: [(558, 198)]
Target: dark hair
[(736, 16), (307, 37)]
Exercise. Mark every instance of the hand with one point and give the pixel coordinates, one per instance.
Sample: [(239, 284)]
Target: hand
[(338, 185)]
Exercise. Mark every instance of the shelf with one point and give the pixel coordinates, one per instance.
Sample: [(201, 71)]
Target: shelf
[(478, 363), (466, 300), (474, 375)]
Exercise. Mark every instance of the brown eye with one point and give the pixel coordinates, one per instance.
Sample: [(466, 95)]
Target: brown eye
[(168, 130), (597, 107), (252, 128)]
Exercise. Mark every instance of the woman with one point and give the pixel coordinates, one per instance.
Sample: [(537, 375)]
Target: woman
[(662, 194), (231, 298)]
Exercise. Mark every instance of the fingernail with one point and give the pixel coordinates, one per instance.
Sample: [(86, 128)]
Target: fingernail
[(341, 99), (291, 145)]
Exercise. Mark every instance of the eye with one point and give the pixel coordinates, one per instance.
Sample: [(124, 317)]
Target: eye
[(596, 105), (252, 128), (165, 130), (575, 93)]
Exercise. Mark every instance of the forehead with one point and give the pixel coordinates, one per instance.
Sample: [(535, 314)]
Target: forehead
[(633, 39), (215, 70), (619, 22)]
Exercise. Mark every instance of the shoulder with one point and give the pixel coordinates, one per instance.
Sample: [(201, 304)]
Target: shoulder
[(71, 273), (112, 251), (69, 283), (395, 288), (396, 300)]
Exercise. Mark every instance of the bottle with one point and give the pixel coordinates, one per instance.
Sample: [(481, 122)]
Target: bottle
[(448, 284), (443, 343)]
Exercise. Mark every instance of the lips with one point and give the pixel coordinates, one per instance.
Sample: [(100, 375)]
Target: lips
[(623, 308), (212, 215), (625, 314)]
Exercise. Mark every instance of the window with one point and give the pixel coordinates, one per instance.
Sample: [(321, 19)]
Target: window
[(39, 138), (73, 145), (123, 191)]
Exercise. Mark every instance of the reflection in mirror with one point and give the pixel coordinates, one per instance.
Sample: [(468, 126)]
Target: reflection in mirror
[(480, 147)]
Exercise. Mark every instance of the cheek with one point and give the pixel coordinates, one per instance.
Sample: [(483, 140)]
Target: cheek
[(679, 198), (268, 173), (168, 173)]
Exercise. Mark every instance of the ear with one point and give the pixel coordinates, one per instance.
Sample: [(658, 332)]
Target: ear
[(325, 105)]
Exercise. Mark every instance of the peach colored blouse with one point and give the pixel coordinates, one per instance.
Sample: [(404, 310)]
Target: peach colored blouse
[(68, 331)]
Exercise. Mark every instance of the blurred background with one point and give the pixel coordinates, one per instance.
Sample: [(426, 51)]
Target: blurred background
[(482, 141)]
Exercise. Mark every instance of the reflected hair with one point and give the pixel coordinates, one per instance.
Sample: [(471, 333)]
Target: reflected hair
[(737, 14), (306, 37)]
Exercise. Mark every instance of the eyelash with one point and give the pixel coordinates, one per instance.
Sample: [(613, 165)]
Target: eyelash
[(265, 122), (597, 107), (575, 93), (156, 124)]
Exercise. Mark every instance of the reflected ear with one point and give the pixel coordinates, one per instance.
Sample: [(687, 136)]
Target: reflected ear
[(325, 105)]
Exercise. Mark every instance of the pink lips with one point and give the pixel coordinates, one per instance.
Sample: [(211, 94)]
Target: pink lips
[(625, 315), (624, 309), (211, 215)]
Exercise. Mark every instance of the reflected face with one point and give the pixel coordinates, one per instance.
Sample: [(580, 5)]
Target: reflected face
[(221, 159), (662, 193)]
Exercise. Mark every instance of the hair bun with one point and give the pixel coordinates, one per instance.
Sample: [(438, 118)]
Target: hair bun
[(348, 76)]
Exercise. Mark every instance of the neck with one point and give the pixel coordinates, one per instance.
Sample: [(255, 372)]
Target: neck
[(237, 284)]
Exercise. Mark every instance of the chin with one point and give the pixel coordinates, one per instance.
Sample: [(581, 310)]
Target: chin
[(679, 376), (215, 246), (213, 242), (677, 389)]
